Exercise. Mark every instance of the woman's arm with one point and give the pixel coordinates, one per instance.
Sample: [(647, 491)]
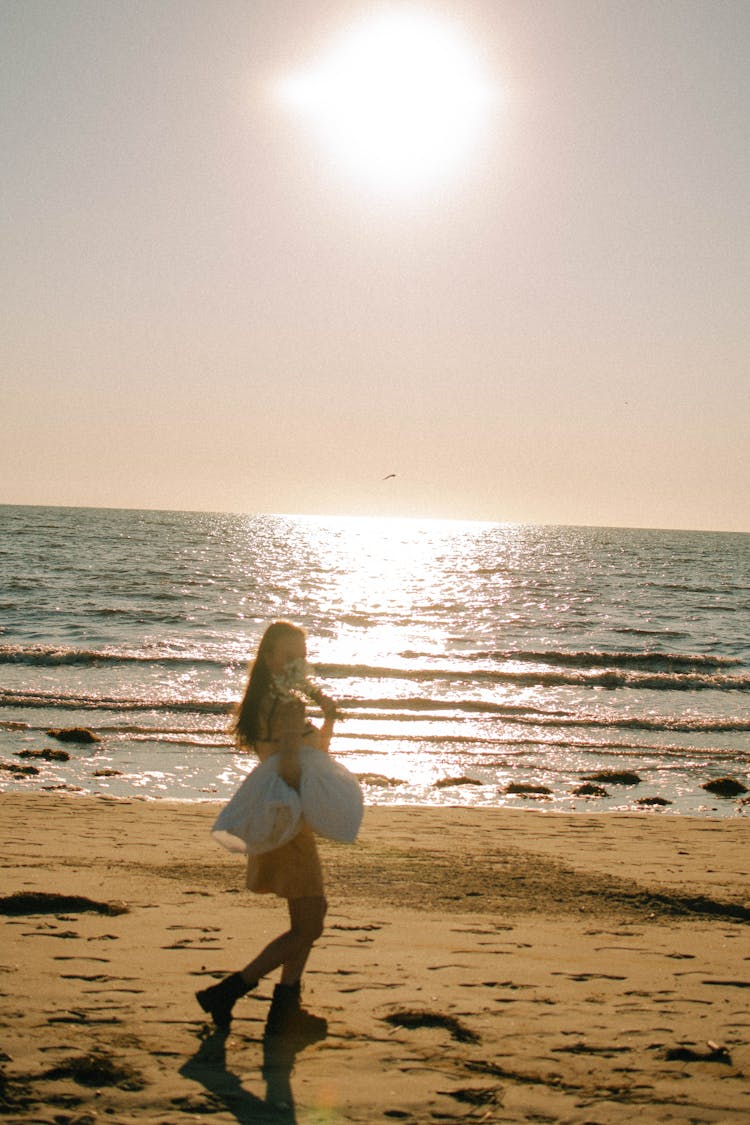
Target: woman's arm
[(330, 714)]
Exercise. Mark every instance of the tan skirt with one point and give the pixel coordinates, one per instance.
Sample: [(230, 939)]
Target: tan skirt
[(291, 871)]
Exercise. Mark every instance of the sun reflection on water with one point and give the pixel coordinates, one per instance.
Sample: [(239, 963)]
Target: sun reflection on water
[(389, 593), (391, 586)]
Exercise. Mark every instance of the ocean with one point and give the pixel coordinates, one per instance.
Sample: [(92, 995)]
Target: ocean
[(469, 659)]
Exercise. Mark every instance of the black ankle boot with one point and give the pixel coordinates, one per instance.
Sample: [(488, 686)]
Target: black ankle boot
[(219, 999), (288, 1018)]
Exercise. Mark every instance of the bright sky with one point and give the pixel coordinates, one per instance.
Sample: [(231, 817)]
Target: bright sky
[(217, 297)]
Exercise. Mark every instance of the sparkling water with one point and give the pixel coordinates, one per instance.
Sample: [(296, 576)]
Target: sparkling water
[(500, 654)]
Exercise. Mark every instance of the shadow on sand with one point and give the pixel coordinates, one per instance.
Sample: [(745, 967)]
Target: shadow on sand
[(209, 1067)]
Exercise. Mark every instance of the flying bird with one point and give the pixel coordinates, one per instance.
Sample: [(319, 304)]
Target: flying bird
[(389, 477)]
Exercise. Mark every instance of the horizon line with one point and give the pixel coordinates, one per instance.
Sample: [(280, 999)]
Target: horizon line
[(380, 518)]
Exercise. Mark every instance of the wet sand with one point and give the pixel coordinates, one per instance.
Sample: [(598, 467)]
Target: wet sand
[(495, 966)]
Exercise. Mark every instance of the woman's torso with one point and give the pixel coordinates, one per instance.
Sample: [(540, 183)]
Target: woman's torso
[(280, 719)]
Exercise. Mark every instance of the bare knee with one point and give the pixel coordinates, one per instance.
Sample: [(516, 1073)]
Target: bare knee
[(307, 918), (309, 931)]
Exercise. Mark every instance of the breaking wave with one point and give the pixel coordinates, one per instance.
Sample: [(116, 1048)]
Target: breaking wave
[(55, 656), (547, 677), (384, 709), (665, 662), (656, 661)]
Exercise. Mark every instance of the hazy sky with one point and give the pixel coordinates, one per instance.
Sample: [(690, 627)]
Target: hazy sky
[(204, 310)]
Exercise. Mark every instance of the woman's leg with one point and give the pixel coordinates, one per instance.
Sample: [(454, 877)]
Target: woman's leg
[(306, 916), (286, 1016), (290, 949)]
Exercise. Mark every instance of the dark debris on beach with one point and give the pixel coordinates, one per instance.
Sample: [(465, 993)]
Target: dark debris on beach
[(415, 1017), (725, 787), (74, 734), (43, 902)]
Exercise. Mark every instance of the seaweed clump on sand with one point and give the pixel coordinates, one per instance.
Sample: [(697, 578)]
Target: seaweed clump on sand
[(614, 777), (98, 1069), (526, 789), (43, 902), (590, 790), (447, 782), (18, 770), (713, 1053), (415, 1017), (74, 734), (725, 787), (47, 754)]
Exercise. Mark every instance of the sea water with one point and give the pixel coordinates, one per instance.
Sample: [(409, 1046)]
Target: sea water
[(500, 654)]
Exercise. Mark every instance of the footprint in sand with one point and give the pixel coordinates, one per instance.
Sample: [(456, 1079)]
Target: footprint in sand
[(509, 984), (202, 943), (728, 983), (582, 1048), (73, 957), (197, 929), (587, 976), (47, 932), (369, 926), (82, 1016), (371, 986), (93, 977)]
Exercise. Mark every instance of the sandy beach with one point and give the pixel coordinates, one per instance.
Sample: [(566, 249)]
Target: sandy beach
[(495, 966)]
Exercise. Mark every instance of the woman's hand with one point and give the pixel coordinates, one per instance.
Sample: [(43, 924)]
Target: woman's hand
[(329, 708)]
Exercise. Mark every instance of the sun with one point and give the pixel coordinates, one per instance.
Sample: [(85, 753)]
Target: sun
[(400, 100)]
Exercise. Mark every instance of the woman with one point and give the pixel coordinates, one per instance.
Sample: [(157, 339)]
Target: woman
[(272, 721)]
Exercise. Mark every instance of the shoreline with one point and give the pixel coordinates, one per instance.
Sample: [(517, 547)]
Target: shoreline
[(620, 800), (502, 962)]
